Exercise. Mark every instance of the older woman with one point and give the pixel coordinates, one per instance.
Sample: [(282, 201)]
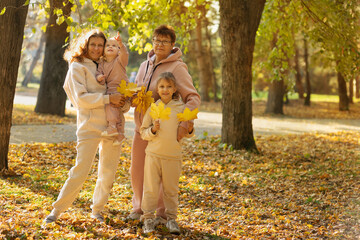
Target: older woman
[(164, 57), (89, 98)]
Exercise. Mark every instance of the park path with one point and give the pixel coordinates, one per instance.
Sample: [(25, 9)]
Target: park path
[(206, 122)]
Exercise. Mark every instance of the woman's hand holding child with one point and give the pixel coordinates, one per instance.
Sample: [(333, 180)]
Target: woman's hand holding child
[(115, 98)]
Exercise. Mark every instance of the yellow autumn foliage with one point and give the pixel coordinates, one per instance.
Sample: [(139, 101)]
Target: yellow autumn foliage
[(159, 111), (127, 89), (188, 114), (301, 186), (143, 100)]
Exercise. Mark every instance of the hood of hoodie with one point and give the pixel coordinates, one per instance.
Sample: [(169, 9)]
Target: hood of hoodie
[(172, 104), (175, 55)]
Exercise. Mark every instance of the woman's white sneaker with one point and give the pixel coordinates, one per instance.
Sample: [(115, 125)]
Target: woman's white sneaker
[(52, 217)]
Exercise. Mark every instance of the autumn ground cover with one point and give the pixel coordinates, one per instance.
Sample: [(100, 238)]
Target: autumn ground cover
[(298, 187)]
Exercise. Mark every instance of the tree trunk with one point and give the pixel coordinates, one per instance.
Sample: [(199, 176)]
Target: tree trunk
[(239, 23), (275, 101), (343, 98), (29, 74), (307, 74), (357, 87), (298, 84), (12, 24), (210, 62), (201, 61), (351, 91), (51, 97)]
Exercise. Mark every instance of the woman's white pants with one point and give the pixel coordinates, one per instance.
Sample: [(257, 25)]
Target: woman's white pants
[(108, 161)]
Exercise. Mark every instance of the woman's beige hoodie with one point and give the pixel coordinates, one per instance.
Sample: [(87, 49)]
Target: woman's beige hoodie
[(149, 72), (88, 97), (164, 142)]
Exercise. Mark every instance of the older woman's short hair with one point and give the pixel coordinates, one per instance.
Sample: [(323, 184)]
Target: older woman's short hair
[(165, 30)]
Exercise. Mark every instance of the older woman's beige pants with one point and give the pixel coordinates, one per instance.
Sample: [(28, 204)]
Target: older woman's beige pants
[(168, 172), (108, 162)]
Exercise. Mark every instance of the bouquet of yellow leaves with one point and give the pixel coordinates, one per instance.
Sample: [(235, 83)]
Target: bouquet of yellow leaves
[(159, 111), (128, 89), (188, 115), (143, 100)]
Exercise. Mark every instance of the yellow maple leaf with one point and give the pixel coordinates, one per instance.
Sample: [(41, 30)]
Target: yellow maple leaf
[(159, 111), (188, 115), (143, 100), (122, 87), (133, 87), (127, 89)]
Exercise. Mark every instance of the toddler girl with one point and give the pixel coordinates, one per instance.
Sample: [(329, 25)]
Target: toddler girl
[(111, 71)]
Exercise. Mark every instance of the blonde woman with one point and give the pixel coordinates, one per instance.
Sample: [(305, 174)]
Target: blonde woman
[(89, 98)]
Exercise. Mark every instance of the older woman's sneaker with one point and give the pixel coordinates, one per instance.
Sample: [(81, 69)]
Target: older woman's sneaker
[(134, 216), (173, 226), (149, 225)]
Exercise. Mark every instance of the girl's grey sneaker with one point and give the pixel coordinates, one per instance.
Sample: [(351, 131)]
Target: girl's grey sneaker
[(149, 225), (173, 226), (98, 217), (160, 220), (134, 216)]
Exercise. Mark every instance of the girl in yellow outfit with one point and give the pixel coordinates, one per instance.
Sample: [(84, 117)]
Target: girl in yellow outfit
[(163, 156)]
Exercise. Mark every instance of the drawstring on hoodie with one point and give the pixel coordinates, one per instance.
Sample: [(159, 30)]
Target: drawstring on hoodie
[(147, 67)]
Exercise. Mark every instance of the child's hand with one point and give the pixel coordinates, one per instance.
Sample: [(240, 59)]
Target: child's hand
[(100, 78), (118, 37), (115, 98), (156, 126)]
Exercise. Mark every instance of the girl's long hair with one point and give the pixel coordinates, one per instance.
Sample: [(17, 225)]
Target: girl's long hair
[(79, 46), (168, 76)]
